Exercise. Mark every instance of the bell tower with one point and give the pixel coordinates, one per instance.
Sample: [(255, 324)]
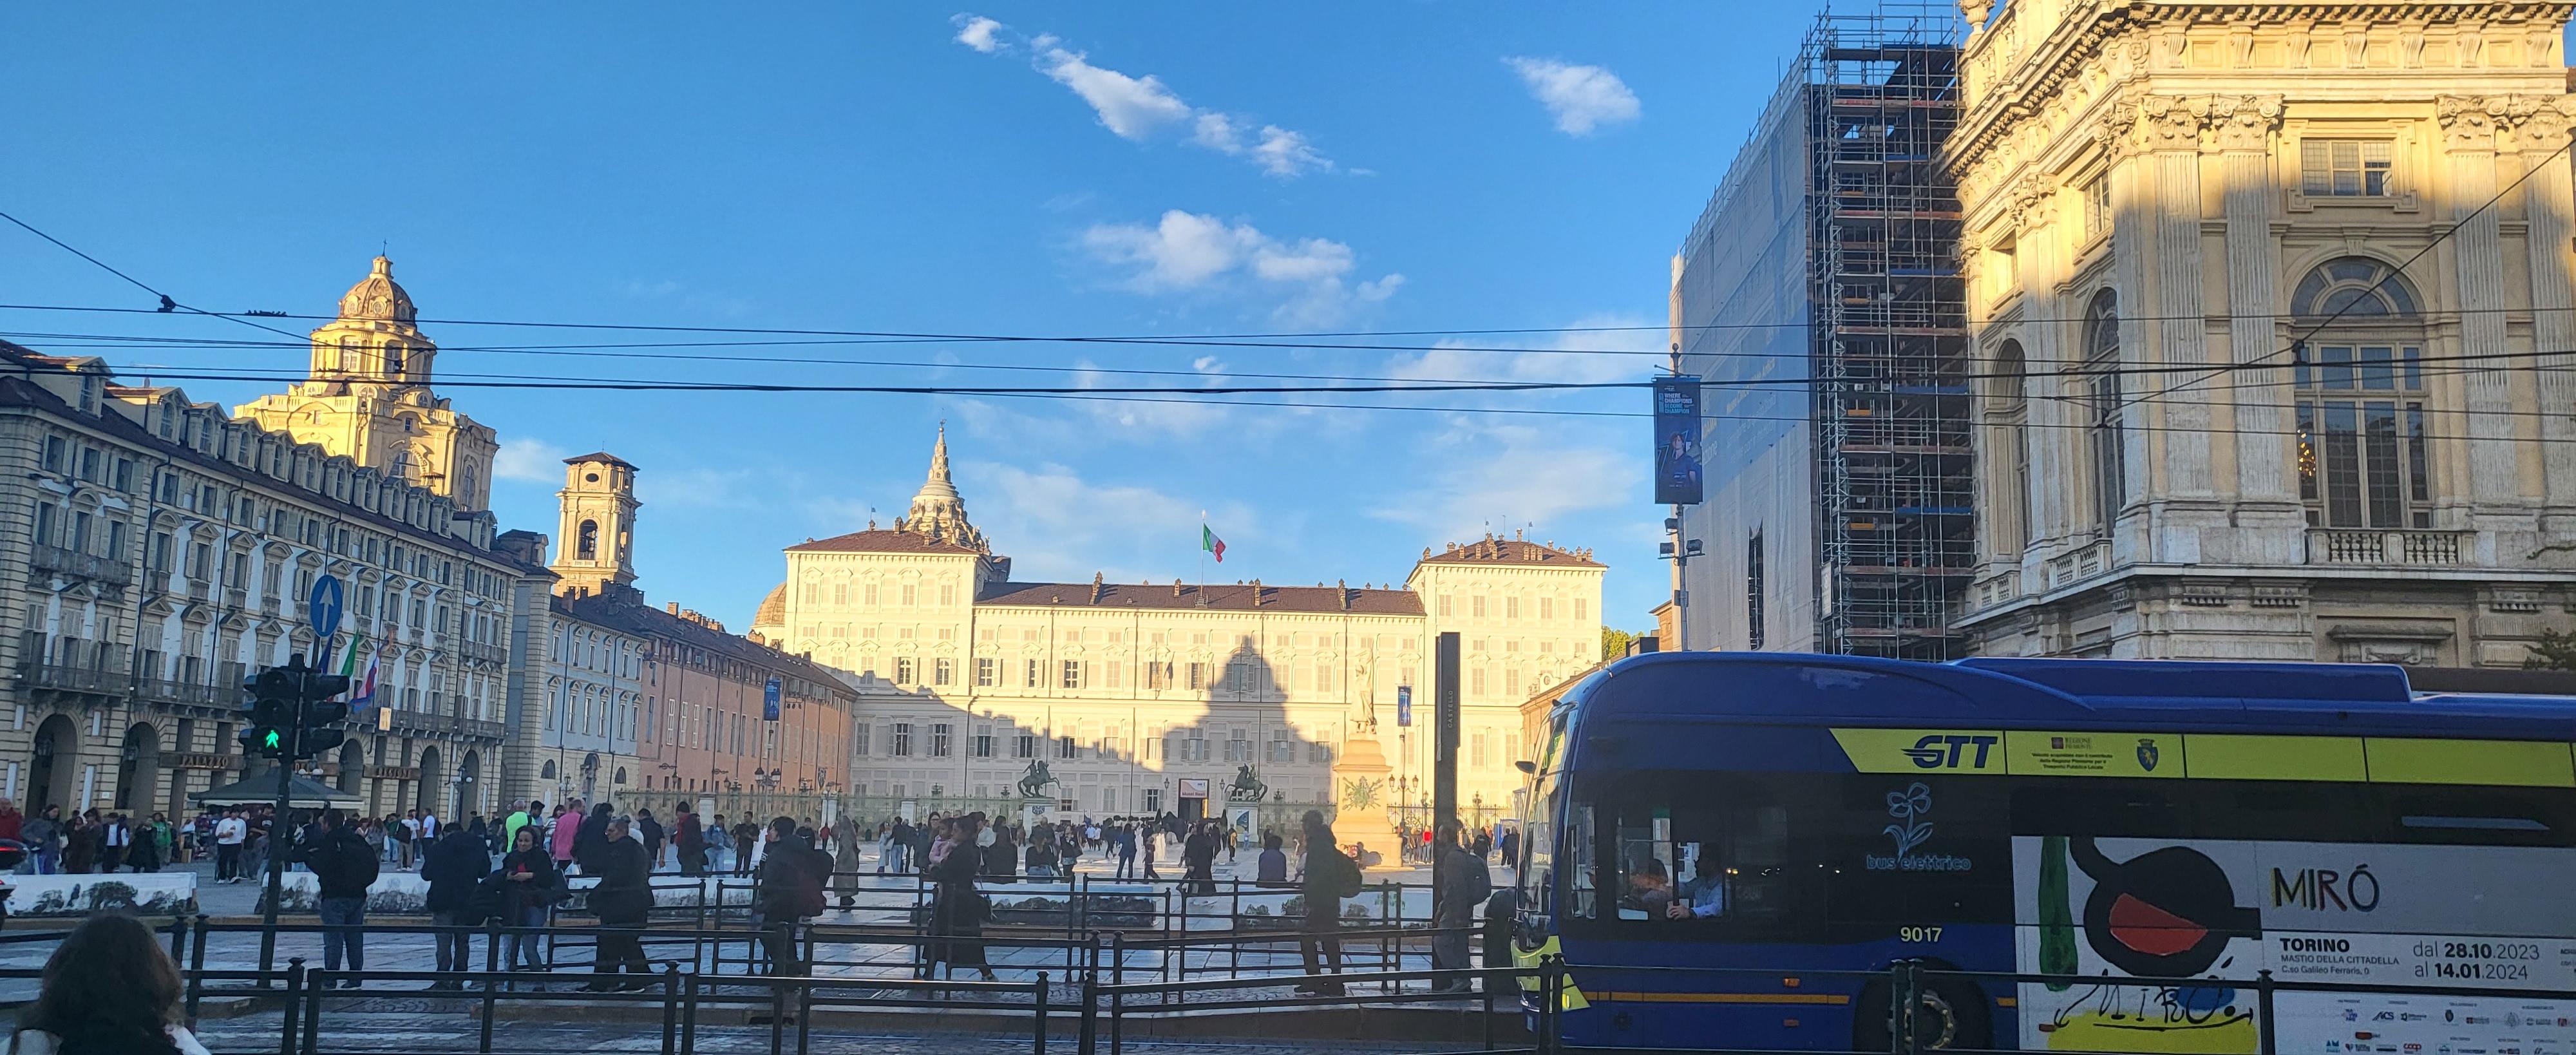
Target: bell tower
[(595, 551)]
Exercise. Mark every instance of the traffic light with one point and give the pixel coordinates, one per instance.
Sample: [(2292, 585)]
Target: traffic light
[(270, 732), (323, 713)]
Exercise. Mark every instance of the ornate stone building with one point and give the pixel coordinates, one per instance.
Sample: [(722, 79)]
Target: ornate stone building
[(2264, 375), (162, 549), (622, 702), (367, 397), (1134, 695)]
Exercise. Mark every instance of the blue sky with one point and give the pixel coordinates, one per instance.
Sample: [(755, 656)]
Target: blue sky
[(1130, 169)]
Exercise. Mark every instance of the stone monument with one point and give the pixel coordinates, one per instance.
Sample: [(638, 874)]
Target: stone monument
[(1361, 796)]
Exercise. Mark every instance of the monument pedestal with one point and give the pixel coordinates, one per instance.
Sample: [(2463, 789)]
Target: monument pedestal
[(1360, 801)]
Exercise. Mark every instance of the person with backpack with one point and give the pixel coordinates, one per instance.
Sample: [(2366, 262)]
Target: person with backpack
[(1459, 887), (454, 868), (651, 831), (1330, 876), (345, 867), (791, 889)]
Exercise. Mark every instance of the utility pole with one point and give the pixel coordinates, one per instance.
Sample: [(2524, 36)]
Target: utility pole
[(1680, 549)]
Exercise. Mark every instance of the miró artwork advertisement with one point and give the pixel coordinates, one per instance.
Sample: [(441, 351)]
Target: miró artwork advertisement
[(2176, 930)]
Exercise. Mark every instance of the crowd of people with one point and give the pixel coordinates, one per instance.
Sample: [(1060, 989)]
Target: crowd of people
[(92, 840)]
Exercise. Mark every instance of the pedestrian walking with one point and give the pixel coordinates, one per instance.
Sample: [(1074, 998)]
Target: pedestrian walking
[(44, 834), (345, 868), (1198, 860), (592, 836), (845, 860), (530, 885), (107, 988), (957, 909), (746, 843), (719, 843), (622, 899), (535, 812), (403, 833), (651, 832), (13, 825), (1149, 837), (689, 841), (791, 889), (454, 867), (1459, 887), (80, 843), (1330, 876), (564, 831)]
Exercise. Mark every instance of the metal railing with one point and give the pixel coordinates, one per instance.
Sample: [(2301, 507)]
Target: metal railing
[(76, 563)]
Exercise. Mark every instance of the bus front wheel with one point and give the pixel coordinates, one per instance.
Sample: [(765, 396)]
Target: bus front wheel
[(1947, 1014)]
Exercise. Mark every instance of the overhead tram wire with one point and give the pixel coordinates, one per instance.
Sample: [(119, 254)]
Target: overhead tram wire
[(2300, 341), (169, 304)]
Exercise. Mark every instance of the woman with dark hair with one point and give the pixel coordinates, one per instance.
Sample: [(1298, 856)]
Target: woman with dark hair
[(957, 910), (108, 990)]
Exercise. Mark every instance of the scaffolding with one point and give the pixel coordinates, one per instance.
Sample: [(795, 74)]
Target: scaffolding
[(1890, 357), (1828, 259)]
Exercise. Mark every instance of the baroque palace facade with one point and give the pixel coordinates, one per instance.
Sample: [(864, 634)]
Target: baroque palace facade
[(2280, 212), (1143, 698), (162, 548)]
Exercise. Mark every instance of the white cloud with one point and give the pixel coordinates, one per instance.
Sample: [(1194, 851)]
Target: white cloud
[(976, 31), (1190, 251), (1497, 476), (1135, 108), (1132, 107), (530, 461), (1127, 532), (1606, 353), (1582, 98)]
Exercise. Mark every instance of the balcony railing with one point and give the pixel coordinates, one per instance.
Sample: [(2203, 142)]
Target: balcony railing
[(476, 650), (76, 563), (76, 679), (166, 690), (2427, 549), (402, 721)]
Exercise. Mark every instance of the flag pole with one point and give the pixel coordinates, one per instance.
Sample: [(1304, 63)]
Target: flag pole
[(1203, 550)]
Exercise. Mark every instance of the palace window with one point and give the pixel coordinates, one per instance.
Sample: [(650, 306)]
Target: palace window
[(903, 671), (942, 671), (1026, 746), (2345, 168), (587, 548), (939, 735), (2103, 436), (1282, 749), (2362, 452), (1073, 674), (900, 744), (1065, 747), (2008, 409), (2097, 207), (984, 672), (983, 741)]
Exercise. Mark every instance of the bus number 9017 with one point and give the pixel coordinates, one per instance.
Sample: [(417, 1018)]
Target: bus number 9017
[(1918, 934)]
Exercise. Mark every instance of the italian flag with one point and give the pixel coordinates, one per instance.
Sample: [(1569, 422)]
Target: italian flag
[(361, 691), (1212, 544)]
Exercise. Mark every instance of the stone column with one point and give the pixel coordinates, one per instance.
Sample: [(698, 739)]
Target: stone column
[(2171, 199), (2266, 492), (2547, 198), (2469, 128)]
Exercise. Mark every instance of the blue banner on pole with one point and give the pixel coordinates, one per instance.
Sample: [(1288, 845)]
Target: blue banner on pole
[(769, 701), (1404, 705), (1677, 466)]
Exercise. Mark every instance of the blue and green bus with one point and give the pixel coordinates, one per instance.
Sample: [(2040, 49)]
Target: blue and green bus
[(2174, 827)]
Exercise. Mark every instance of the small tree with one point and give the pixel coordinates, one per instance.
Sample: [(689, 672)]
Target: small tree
[(2555, 651), (1614, 643)]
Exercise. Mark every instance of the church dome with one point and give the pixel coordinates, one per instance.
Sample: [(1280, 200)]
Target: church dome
[(773, 609), (378, 296)]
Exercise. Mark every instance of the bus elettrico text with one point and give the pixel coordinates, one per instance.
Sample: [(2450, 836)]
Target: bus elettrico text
[(2174, 827)]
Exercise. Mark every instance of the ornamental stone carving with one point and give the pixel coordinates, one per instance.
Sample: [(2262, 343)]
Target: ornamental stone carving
[(2244, 123), (1975, 11), (2470, 122), (2171, 123)]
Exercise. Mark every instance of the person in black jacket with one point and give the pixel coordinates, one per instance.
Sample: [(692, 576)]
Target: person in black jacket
[(791, 888), (956, 910), (345, 866), (621, 900), (454, 866), (593, 835), (529, 886)]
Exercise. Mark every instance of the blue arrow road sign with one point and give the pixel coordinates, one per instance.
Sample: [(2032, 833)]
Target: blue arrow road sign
[(322, 607)]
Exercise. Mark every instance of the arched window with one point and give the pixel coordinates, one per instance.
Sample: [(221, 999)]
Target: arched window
[(587, 547), (394, 359), (2102, 365), (2362, 457), (2008, 408)]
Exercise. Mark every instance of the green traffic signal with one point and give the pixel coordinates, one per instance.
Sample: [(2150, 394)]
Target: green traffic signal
[(273, 741)]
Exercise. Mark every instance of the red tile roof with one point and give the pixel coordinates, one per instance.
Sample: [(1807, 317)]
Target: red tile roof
[(1235, 597), (1496, 550)]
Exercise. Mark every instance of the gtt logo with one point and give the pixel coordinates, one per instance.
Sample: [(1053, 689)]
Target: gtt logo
[(1939, 751)]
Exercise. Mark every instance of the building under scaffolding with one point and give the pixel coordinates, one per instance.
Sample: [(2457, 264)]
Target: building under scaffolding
[(1819, 296)]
